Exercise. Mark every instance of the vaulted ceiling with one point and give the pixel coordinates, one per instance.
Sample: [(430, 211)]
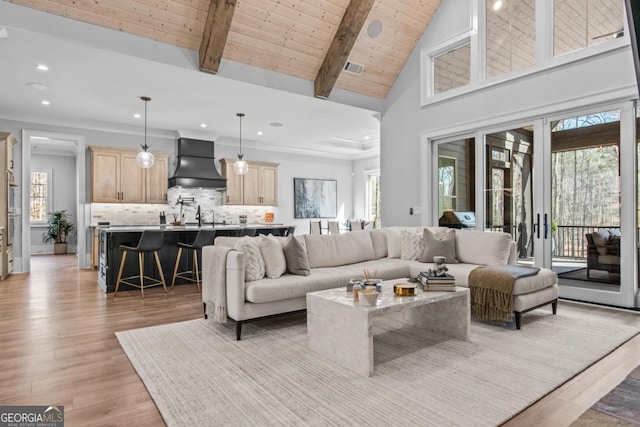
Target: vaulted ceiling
[(309, 39)]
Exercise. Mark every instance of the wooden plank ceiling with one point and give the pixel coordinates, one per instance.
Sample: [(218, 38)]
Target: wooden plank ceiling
[(287, 36)]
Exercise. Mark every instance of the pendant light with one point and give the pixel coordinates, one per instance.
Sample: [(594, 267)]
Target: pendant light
[(240, 167), (145, 157)]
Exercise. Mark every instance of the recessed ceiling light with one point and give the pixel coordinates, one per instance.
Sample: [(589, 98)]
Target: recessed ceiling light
[(275, 124), (136, 115), (38, 86), (43, 67), (260, 132), (45, 102), (367, 137), (203, 125), (497, 5)]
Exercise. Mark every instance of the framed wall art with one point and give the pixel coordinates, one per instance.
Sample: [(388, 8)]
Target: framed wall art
[(315, 198)]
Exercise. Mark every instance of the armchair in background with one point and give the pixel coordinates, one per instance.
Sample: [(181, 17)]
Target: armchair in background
[(603, 251)]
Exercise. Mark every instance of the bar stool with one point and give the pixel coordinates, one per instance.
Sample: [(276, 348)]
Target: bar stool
[(203, 238), (150, 241)]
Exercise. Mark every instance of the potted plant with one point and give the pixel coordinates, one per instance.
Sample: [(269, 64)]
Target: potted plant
[(58, 229)]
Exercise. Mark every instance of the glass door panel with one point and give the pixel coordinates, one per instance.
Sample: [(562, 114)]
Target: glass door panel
[(456, 183), (585, 201), (509, 187)]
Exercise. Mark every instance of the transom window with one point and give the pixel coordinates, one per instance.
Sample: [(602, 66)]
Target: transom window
[(578, 24), (452, 69)]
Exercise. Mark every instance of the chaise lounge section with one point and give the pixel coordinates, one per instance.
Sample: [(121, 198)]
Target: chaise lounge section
[(392, 253)]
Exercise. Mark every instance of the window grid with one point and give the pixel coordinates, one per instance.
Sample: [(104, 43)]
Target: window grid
[(39, 196)]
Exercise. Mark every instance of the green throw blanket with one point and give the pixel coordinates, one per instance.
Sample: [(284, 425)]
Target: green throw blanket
[(492, 290)]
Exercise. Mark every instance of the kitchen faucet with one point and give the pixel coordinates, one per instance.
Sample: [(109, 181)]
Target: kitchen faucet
[(199, 217)]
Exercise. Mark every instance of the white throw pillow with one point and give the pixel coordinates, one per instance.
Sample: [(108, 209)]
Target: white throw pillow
[(274, 261), (254, 263), (412, 244)]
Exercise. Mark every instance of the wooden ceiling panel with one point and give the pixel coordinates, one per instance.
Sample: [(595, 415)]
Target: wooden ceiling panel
[(383, 57), (69, 9), (285, 36)]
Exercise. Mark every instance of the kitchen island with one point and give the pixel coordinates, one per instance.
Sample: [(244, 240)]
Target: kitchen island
[(111, 237)]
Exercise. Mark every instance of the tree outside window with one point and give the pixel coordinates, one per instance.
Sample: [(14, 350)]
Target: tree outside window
[(40, 202)]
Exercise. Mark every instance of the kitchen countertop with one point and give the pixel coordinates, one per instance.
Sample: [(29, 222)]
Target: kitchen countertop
[(189, 227)]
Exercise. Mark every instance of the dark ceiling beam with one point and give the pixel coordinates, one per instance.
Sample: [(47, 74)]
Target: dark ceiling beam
[(215, 34), (338, 53)]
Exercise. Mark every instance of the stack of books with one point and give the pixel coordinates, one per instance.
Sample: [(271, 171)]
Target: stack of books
[(430, 282)]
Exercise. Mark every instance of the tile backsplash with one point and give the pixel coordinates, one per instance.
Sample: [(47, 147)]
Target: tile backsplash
[(210, 201)]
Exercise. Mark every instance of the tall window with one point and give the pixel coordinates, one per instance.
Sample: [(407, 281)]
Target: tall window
[(511, 36), (40, 195), (373, 198)]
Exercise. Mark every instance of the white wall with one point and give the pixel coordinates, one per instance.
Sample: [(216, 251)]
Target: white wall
[(64, 196), (405, 124)]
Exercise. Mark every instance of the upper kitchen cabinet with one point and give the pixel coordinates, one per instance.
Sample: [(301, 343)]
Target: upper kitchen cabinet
[(116, 177), (156, 183), (258, 187)]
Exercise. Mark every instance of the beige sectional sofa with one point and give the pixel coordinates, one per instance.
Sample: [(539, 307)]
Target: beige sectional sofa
[(334, 259)]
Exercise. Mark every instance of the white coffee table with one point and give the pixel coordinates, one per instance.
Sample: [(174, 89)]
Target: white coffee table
[(342, 330)]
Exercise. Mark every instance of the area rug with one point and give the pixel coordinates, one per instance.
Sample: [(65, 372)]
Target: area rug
[(620, 407), (198, 374), (596, 276)]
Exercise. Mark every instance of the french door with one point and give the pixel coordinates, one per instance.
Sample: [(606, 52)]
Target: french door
[(550, 182)]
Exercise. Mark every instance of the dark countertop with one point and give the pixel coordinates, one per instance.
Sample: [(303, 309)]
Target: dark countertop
[(194, 227)]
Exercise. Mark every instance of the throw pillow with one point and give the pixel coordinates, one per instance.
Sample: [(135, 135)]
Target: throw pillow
[(254, 263), (600, 239), (443, 245), (274, 261), (412, 245), (296, 256)]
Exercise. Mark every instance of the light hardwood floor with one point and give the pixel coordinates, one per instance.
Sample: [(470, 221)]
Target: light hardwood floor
[(57, 346)]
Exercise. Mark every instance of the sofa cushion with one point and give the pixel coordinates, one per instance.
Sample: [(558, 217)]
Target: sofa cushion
[(439, 245), (379, 240), (339, 249), (296, 256), (254, 263), (275, 264), (289, 286), (483, 248), (412, 244), (394, 241), (394, 238), (227, 241)]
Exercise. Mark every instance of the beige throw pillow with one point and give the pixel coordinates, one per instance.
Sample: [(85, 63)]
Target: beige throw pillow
[(274, 261), (296, 256), (442, 245), (412, 245), (254, 263)]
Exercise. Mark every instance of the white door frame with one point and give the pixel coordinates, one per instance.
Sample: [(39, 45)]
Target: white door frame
[(628, 295), (79, 142)]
